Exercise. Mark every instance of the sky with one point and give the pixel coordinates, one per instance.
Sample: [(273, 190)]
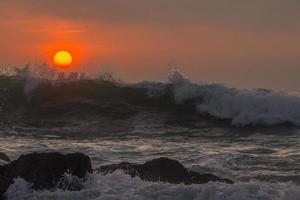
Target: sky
[(245, 44)]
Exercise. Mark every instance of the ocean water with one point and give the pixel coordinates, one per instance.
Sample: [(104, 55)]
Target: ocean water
[(249, 136)]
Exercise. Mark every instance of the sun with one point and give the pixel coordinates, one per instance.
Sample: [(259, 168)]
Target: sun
[(63, 58)]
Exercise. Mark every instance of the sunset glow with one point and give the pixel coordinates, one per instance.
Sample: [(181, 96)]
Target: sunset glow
[(149, 99), (209, 41), (63, 58)]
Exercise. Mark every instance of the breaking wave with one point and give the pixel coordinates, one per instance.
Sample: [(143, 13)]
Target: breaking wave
[(241, 107)]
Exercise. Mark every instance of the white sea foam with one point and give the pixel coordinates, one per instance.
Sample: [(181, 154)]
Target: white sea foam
[(242, 107), (121, 186)]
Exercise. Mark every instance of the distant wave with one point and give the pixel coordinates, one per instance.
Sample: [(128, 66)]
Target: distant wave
[(241, 107)]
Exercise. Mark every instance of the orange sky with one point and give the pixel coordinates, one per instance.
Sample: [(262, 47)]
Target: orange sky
[(244, 45)]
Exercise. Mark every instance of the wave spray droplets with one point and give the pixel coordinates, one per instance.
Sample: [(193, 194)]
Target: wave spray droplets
[(242, 107)]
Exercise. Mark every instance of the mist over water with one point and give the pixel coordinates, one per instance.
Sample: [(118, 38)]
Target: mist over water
[(249, 136)]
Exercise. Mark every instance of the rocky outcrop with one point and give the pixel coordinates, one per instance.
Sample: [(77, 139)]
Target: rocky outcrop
[(4, 184), (163, 169), (44, 170)]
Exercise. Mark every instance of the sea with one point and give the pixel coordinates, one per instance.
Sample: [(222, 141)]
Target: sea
[(251, 136)]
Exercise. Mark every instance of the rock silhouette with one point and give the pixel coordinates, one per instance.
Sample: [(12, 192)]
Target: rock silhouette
[(44, 170), (164, 170)]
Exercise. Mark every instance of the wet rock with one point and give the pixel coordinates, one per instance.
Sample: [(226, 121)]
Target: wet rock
[(4, 157), (164, 170), (44, 170), (4, 184)]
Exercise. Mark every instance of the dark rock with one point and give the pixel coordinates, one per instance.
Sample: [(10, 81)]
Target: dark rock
[(4, 157), (44, 170), (162, 169), (4, 184)]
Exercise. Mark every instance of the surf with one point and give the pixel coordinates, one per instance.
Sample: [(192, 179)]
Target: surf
[(242, 107)]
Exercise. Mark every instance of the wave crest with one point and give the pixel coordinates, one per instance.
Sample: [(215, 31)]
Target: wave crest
[(241, 107)]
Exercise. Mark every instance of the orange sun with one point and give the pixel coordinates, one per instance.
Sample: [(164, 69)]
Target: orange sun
[(63, 58)]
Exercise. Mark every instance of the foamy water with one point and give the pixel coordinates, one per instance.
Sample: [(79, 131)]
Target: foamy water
[(242, 107), (120, 186), (263, 162)]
